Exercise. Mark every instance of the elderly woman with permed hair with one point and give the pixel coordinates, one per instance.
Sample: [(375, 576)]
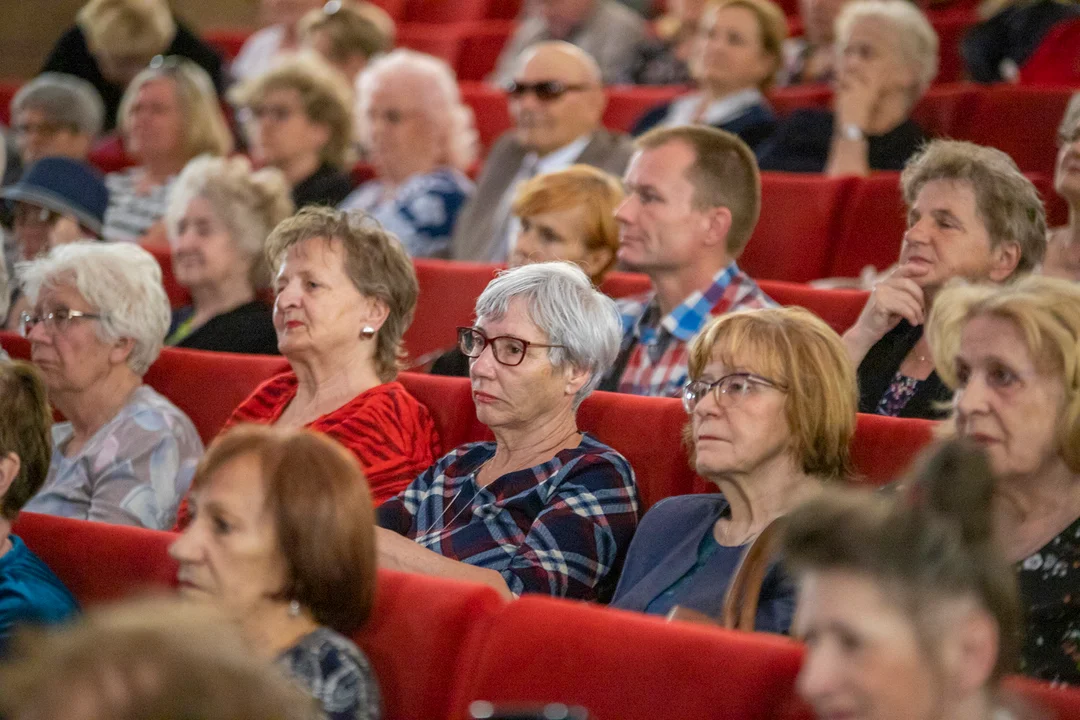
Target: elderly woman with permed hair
[(125, 454), (421, 140), (544, 508), (56, 115)]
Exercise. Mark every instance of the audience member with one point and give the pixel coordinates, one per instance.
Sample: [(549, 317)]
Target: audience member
[(971, 214), (887, 55), (995, 49), (811, 57), (734, 62), (346, 292), (1011, 354), (663, 57), (347, 35), (296, 570), (543, 508), (298, 118), (557, 102), (906, 606), (56, 115), (603, 29), (772, 402), (125, 454), (29, 591), (146, 660), (420, 138), (1063, 243), (564, 215), (113, 40), (693, 199), (169, 115), (218, 218)]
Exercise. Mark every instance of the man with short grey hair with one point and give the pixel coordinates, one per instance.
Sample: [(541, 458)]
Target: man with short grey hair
[(56, 115)]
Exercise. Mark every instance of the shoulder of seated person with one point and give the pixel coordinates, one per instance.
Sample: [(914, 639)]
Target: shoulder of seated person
[(686, 506)]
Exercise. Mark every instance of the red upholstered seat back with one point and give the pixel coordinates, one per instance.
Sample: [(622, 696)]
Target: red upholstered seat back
[(838, 308), (481, 44), (1057, 59), (450, 401), (884, 446), (100, 562), (626, 666), (178, 295), (625, 284), (489, 108), (875, 220), (1020, 120), (448, 293), (440, 11), (627, 103)]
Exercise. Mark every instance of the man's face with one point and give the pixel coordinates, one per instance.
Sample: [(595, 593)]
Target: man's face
[(544, 120)]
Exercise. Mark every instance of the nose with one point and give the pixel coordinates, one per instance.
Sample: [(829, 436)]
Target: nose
[(38, 333), (916, 232), (971, 399), (288, 296), (185, 548), (626, 212), (818, 676), (484, 365)]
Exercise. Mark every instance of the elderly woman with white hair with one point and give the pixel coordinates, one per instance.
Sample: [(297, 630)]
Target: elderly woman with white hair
[(544, 508), (421, 139), (56, 115), (219, 216), (887, 56), (126, 454)]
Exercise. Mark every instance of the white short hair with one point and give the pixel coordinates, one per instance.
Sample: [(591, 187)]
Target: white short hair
[(563, 303), (442, 100), (918, 39), (120, 280)]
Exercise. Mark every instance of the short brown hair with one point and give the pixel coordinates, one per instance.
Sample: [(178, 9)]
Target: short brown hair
[(138, 27), (1007, 202), (724, 174), (773, 26), (584, 186), (376, 263), (351, 31), (933, 541), (25, 431), (325, 97), (799, 351), (321, 504)]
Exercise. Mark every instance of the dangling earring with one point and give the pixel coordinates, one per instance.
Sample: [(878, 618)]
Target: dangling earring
[(368, 332), (294, 608)]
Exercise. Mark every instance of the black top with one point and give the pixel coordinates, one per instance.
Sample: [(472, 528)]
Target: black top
[(1013, 34), (802, 143), (72, 56), (327, 186), (754, 125), (879, 367), (245, 329), (452, 363)]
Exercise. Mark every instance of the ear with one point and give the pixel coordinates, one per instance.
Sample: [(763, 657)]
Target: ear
[(970, 649), (375, 313), (575, 379), (596, 259), (121, 351), (716, 224), (10, 464), (1004, 259)]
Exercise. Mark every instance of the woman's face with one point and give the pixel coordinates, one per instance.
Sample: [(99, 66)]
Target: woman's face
[(516, 397), (203, 251), (863, 657), (229, 554), (1067, 170), (873, 52), (317, 309), (404, 140), (155, 127), (37, 135), (946, 238), (729, 53), (741, 432), (1004, 401), (558, 235), (69, 354), (281, 132)]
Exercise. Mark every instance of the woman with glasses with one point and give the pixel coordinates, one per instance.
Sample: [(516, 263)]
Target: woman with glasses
[(772, 401), (125, 454), (543, 508), (56, 115)]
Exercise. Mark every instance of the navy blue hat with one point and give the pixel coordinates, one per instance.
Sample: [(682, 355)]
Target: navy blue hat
[(65, 186)]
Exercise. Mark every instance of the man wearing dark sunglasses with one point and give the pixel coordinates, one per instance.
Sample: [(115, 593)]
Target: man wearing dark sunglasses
[(556, 99)]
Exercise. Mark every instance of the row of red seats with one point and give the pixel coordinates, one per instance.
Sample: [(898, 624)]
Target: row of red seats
[(436, 645)]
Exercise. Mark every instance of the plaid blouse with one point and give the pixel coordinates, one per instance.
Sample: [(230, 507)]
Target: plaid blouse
[(657, 365), (561, 528)]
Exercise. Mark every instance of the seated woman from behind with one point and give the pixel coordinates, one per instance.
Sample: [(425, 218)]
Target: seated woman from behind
[(421, 140), (29, 591), (126, 454), (219, 216), (906, 607), (282, 539), (1012, 354), (887, 56), (543, 508), (1063, 249), (772, 402)]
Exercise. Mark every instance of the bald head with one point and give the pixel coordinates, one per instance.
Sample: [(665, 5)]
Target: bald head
[(562, 58)]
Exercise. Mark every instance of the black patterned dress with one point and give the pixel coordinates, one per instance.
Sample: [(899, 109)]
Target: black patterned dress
[(336, 673), (1049, 582)]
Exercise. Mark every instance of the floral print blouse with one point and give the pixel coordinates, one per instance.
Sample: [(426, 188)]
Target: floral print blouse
[(1049, 581)]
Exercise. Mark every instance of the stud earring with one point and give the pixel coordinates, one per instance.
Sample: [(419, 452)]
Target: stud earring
[(294, 608), (368, 332)]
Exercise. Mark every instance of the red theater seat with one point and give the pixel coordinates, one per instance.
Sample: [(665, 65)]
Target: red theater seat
[(951, 26), (839, 308), (505, 9), (1057, 59), (448, 293), (873, 226), (1020, 120), (481, 45), (394, 8), (624, 284), (178, 295), (489, 107), (443, 12), (8, 88), (627, 103), (450, 401), (442, 41), (785, 100), (227, 41), (884, 446), (108, 154)]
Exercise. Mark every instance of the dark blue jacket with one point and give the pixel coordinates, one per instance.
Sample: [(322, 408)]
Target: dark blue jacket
[(754, 126)]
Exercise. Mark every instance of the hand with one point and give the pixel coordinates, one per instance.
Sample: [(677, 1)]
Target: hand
[(897, 297), (857, 97)]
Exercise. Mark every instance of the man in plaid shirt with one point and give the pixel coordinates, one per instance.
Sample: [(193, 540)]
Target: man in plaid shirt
[(693, 199)]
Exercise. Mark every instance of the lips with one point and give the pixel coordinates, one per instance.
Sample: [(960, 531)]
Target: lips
[(483, 397)]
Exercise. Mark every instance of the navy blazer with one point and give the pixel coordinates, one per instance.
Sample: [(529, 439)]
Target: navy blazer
[(665, 547), (755, 125)]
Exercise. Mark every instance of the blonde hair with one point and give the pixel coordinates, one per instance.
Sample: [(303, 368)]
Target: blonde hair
[(796, 349), (352, 29), (249, 204), (136, 27), (771, 22), (205, 129), (1045, 310), (325, 96), (917, 38)]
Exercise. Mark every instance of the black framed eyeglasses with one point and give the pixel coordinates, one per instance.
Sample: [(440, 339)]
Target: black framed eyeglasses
[(507, 349), (56, 321), (545, 91), (729, 389)]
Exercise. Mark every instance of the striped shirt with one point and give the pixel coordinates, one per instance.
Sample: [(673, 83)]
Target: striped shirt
[(131, 213), (561, 528)]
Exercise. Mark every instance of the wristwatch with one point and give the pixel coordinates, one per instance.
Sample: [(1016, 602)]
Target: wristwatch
[(853, 132)]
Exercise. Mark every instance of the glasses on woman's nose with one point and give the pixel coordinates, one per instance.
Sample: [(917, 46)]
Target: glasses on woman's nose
[(729, 390), (507, 349), (57, 321), (276, 113)]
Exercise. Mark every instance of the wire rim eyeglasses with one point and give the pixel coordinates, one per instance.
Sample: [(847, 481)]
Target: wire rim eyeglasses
[(57, 320), (729, 388)]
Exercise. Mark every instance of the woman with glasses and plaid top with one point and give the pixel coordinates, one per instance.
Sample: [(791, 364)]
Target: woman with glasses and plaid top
[(544, 508), (771, 399)]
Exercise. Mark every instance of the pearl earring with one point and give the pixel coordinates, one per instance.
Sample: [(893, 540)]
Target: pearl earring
[(368, 332), (294, 608)]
